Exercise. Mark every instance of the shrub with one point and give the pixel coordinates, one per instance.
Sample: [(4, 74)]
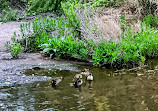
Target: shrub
[(41, 6), (66, 48), (105, 53), (151, 20), (6, 13), (60, 37), (15, 50), (42, 29), (73, 22), (131, 50)]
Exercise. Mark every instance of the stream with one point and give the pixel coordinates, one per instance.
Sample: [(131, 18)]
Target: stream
[(133, 89)]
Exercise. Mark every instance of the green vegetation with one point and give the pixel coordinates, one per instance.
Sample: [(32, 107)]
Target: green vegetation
[(128, 52), (101, 3), (41, 6), (61, 37), (68, 48), (73, 22), (6, 13), (15, 50), (151, 20)]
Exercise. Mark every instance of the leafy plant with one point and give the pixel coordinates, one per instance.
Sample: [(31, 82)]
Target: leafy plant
[(151, 20), (60, 37), (8, 14), (15, 50), (4, 4), (105, 53), (44, 27), (73, 22), (66, 48), (42, 6)]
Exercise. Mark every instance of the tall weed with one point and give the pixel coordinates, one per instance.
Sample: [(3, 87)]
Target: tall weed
[(73, 22)]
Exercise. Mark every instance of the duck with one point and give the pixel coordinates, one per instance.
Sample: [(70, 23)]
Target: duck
[(77, 76), (85, 72), (89, 77), (78, 83), (55, 81)]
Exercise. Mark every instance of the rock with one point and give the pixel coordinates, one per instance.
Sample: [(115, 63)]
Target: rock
[(6, 56)]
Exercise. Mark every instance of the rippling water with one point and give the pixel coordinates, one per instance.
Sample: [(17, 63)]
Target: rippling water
[(112, 90)]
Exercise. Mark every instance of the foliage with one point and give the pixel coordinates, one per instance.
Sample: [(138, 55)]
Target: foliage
[(6, 13), (60, 37), (41, 6), (122, 24), (66, 48), (4, 4), (42, 29), (131, 50), (30, 39), (151, 20), (73, 22), (15, 50), (105, 53), (101, 3)]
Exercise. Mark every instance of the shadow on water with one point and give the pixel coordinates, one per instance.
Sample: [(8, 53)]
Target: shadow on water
[(112, 90)]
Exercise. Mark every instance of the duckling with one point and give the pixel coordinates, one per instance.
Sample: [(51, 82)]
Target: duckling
[(55, 81), (77, 76), (89, 77), (78, 83), (85, 72)]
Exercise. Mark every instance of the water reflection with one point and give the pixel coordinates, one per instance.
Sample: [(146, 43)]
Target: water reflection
[(123, 90)]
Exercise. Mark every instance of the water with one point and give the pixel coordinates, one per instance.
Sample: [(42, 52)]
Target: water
[(112, 90)]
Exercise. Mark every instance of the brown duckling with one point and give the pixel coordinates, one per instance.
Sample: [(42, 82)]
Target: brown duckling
[(77, 76), (55, 81), (78, 83), (85, 72)]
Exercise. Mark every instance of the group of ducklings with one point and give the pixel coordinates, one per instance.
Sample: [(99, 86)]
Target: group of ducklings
[(77, 78)]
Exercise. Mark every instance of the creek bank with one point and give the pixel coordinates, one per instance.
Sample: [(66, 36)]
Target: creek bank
[(12, 71)]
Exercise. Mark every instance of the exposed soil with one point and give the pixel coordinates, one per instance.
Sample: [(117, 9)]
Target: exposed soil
[(6, 32), (12, 70)]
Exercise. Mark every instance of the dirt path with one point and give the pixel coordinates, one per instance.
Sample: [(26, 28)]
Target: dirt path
[(6, 32), (12, 70)]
